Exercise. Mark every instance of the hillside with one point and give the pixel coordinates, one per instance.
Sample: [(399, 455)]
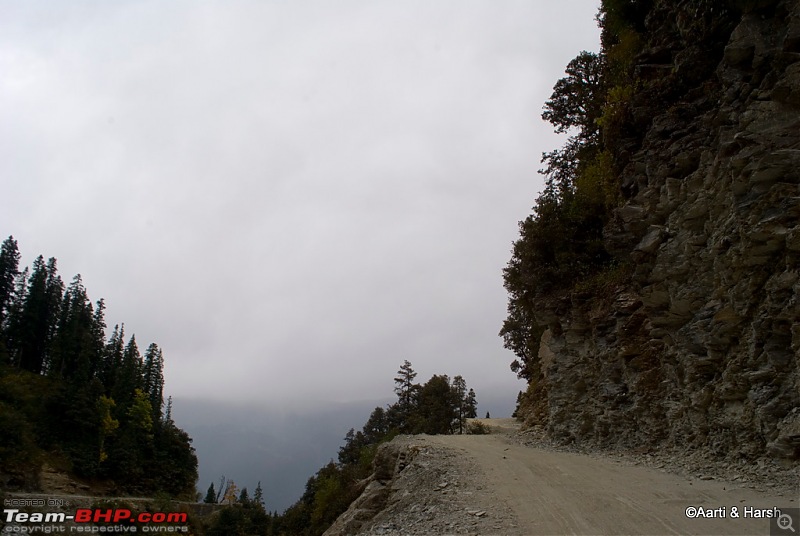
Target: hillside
[(683, 331), (76, 402)]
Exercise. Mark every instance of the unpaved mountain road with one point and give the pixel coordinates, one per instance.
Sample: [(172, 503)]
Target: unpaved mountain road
[(553, 492)]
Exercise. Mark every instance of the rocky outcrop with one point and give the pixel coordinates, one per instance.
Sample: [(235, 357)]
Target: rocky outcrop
[(420, 486), (700, 346), (390, 460)]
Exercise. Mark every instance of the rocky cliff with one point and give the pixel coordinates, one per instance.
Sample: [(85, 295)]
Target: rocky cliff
[(699, 346)]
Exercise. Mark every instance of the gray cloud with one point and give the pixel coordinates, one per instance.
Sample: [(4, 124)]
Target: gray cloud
[(289, 197)]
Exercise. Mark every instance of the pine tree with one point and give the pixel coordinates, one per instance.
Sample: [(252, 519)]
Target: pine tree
[(77, 343), (128, 377), (377, 426), (406, 392), (112, 358), (435, 410), (34, 324), (459, 393), (472, 405), (258, 496), (92, 409), (9, 269), (211, 495), (153, 379)]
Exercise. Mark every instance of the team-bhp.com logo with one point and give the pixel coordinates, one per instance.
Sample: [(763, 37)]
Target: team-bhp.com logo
[(122, 517)]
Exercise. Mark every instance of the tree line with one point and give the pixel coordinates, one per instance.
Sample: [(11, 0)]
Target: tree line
[(440, 406), (73, 397)]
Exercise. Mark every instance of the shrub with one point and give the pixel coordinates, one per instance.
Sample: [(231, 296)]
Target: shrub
[(477, 428)]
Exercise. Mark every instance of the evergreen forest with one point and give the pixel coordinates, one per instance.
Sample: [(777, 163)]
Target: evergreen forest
[(77, 400)]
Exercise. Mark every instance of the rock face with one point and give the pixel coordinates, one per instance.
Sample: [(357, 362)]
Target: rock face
[(700, 346)]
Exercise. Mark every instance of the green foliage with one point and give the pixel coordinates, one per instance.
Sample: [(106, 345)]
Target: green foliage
[(597, 185), (477, 428), (561, 243), (140, 417), (574, 102), (605, 282), (108, 424), (19, 453), (211, 495), (406, 391), (437, 407), (471, 405), (332, 496), (258, 495), (9, 270), (435, 410), (618, 16), (68, 393)]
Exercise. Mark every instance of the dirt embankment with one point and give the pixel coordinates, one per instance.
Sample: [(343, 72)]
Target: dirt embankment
[(500, 484)]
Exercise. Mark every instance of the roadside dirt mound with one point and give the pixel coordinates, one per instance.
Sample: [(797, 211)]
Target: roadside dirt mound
[(421, 487)]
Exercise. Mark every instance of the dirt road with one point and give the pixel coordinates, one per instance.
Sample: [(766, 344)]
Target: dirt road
[(562, 493)]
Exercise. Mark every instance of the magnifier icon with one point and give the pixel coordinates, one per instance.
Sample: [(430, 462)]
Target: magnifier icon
[(785, 522)]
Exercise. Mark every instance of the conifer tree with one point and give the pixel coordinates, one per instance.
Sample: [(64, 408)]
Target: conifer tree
[(101, 405), (77, 343), (406, 392), (128, 377), (459, 394), (471, 405), (377, 426), (153, 379), (11, 331), (258, 496), (9, 269), (211, 495), (35, 325), (435, 410), (112, 358)]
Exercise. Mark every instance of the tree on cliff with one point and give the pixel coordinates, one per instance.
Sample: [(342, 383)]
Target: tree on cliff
[(406, 391), (562, 240), (436, 411), (433, 408)]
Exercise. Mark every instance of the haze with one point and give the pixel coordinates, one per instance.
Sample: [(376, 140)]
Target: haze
[(290, 198)]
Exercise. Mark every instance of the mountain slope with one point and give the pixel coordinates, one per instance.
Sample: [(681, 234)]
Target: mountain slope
[(692, 338)]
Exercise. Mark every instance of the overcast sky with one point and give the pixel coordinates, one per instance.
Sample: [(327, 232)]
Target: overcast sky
[(290, 198)]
